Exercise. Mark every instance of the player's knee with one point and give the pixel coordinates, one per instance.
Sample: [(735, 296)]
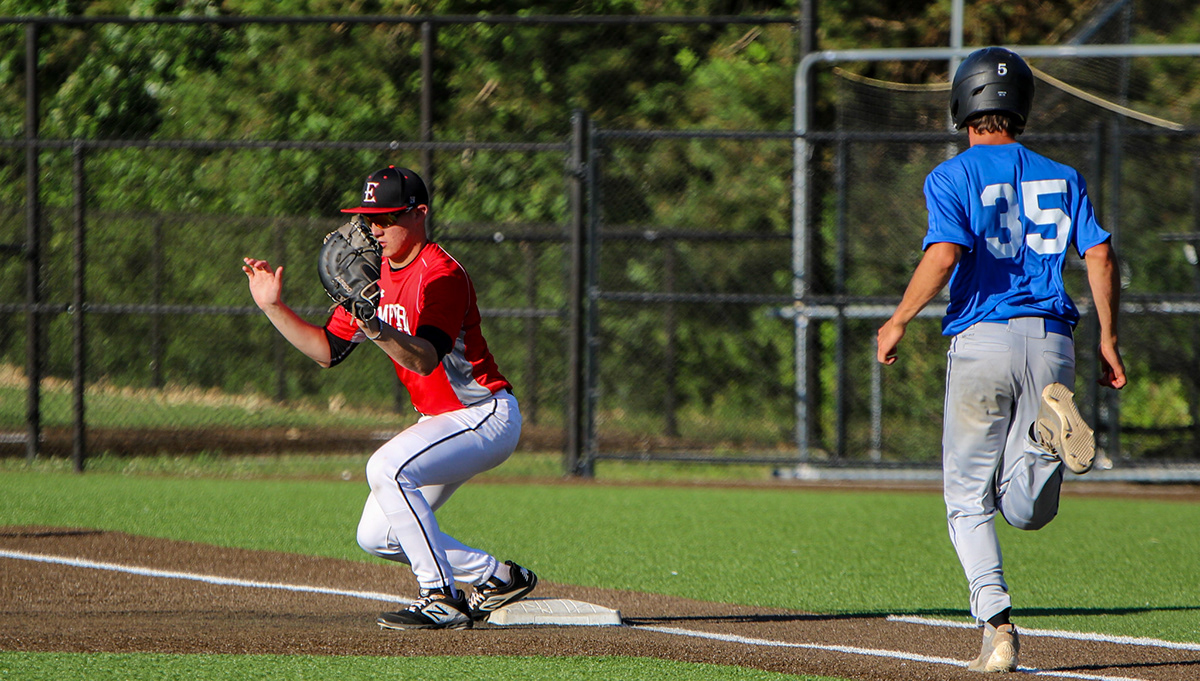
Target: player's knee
[(374, 540), (1030, 521), (370, 539), (380, 473)]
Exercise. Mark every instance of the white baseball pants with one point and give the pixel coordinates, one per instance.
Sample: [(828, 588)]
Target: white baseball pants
[(416, 472), (994, 380)]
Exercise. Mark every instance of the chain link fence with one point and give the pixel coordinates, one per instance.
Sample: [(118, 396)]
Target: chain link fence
[(655, 318)]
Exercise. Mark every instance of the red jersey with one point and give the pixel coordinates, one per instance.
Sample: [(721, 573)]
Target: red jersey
[(434, 290)]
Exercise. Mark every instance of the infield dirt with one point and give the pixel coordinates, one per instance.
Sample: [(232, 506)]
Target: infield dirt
[(55, 607)]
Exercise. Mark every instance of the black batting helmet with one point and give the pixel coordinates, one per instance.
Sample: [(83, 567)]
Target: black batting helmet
[(991, 79)]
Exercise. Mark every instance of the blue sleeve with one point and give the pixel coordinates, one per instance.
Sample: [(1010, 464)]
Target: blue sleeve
[(948, 221), (1087, 232)]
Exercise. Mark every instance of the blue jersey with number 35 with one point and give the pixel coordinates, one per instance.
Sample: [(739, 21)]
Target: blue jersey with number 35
[(1014, 212)]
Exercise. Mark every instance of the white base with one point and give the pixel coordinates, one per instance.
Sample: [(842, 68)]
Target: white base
[(555, 611)]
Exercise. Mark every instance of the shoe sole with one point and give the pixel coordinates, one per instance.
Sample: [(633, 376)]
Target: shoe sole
[(452, 625), (1062, 426), (494, 603), (1002, 659)]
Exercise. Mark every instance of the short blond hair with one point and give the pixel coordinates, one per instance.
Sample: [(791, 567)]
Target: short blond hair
[(997, 122)]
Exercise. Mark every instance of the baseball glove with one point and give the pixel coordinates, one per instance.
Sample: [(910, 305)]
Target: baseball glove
[(348, 265)]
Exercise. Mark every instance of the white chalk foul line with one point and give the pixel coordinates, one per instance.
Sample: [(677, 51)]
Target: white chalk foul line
[(1057, 633), (854, 650), (210, 579)]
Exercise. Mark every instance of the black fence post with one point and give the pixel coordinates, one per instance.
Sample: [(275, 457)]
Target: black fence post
[(156, 286), (670, 329), (841, 184), (573, 457), (33, 284), (78, 302), (529, 400)]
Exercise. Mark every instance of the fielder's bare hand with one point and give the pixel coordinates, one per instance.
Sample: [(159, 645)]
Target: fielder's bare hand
[(265, 286)]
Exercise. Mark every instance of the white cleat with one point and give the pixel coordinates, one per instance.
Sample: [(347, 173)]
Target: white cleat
[(1060, 428), (999, 651)]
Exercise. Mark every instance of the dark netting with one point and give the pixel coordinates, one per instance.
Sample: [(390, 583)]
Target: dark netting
[(693, 270)]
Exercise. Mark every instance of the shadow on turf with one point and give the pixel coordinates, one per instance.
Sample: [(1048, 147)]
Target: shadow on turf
[(1047, 612), (1126, 665), (938, 612)]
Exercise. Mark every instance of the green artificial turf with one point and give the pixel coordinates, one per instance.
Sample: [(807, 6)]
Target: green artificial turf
[(1113, 566), (102, 667)]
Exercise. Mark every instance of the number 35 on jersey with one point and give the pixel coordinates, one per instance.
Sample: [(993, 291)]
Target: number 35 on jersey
[(1051, 226)]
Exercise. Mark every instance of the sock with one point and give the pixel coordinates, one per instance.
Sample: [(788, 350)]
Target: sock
[(503, 573), (1000, 618)]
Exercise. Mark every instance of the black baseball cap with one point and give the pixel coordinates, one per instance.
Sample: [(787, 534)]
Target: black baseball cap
[(390, 190)]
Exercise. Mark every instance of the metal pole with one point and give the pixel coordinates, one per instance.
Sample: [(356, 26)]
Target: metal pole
[(576, 177), (33, 366), (78, 298), (804, 93), (956, 34)]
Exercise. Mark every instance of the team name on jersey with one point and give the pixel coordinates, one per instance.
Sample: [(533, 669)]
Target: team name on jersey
[(395, 316)]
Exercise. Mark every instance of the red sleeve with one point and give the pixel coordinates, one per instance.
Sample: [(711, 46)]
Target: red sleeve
[(342, 325), (444, 303)]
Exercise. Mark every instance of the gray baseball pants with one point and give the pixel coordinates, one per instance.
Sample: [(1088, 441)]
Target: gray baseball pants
[(994, 379)]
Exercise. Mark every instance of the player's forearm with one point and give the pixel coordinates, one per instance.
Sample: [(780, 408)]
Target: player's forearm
[(415, 354), (1104, 281), (307, 338)]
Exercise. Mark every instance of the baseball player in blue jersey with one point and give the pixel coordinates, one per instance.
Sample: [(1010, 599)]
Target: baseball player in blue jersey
[(1001, 219)]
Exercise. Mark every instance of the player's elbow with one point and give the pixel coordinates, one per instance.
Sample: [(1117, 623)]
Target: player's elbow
[(424, 358), (424, 367), (943, 256), (1100, 255)]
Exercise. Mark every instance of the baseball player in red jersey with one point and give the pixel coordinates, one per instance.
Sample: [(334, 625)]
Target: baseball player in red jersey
[(428, 324)]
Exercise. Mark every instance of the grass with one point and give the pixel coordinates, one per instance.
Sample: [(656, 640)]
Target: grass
[(524, 466), (104, 666), (134, 408)]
